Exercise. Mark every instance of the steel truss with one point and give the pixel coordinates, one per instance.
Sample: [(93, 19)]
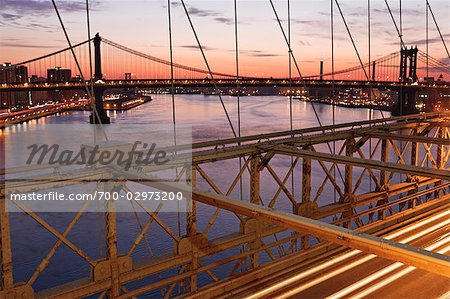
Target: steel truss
[(376, 188)]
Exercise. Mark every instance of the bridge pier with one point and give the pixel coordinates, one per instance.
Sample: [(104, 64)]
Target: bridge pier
[(406, 103), (100, 116)]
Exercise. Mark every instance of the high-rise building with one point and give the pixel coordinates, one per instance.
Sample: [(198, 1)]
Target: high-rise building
[(59, 74), (21, 73), (13, 74)]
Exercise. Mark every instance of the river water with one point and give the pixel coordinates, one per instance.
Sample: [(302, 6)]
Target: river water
[(206, 116)]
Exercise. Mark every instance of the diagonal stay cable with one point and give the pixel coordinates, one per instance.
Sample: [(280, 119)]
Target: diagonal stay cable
[(357, 52), (210, 72), (295, 63), (208, 67), (395, 23), (301, 77), (88, 24), (437, 27), (77, 62), (294, 60)]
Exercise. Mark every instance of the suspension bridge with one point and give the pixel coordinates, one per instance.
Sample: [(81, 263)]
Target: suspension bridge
[(359, 209), (117, 66)]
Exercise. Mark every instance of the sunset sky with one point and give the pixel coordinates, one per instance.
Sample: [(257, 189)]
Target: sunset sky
[(30, 28)]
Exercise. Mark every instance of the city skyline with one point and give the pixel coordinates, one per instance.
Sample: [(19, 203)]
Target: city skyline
[(142, 25)]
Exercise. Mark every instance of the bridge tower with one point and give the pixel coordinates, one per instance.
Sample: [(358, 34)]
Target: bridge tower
[(408, 73), (98, 90), (408, 55)]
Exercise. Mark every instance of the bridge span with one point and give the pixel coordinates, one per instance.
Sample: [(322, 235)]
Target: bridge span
[(390, 179), (224, 83)]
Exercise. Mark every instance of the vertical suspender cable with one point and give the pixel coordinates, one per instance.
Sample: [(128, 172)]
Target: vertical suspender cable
[(299, 73), (426, 30), (88, 23), (211, 74), (76, 62), (332, 90), (426, 17), (395, 23), (369, 32), (401, 40), (290, 90), (354, 46), (401, 89), (290, 64), (236, 43), (236, 49), (172, 86), (172, 91), (369, 50)]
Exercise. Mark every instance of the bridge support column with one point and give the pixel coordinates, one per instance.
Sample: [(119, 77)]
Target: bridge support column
[(406, 103), (373, 71), (348, 182), (255, 180), (414, 161), (306, 193), (383, 177), (255, 198), (100, 116), (7, 287), (111, 239), (439, 157), (5, 248), (321, 70), (191, 228)]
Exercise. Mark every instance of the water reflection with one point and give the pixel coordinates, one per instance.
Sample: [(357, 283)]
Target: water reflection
[(206, 116)]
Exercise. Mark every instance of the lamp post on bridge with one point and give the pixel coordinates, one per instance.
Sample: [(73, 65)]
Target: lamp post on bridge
[(98, 90)]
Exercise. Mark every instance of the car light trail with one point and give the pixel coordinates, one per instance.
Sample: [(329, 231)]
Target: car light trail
[(385, 271), (348, 255), (394, 277)]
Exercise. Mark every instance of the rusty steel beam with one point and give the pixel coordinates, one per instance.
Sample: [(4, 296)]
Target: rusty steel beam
[(409, 255), (412, 138), (365, 163), (6, 270), (85, 287)]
